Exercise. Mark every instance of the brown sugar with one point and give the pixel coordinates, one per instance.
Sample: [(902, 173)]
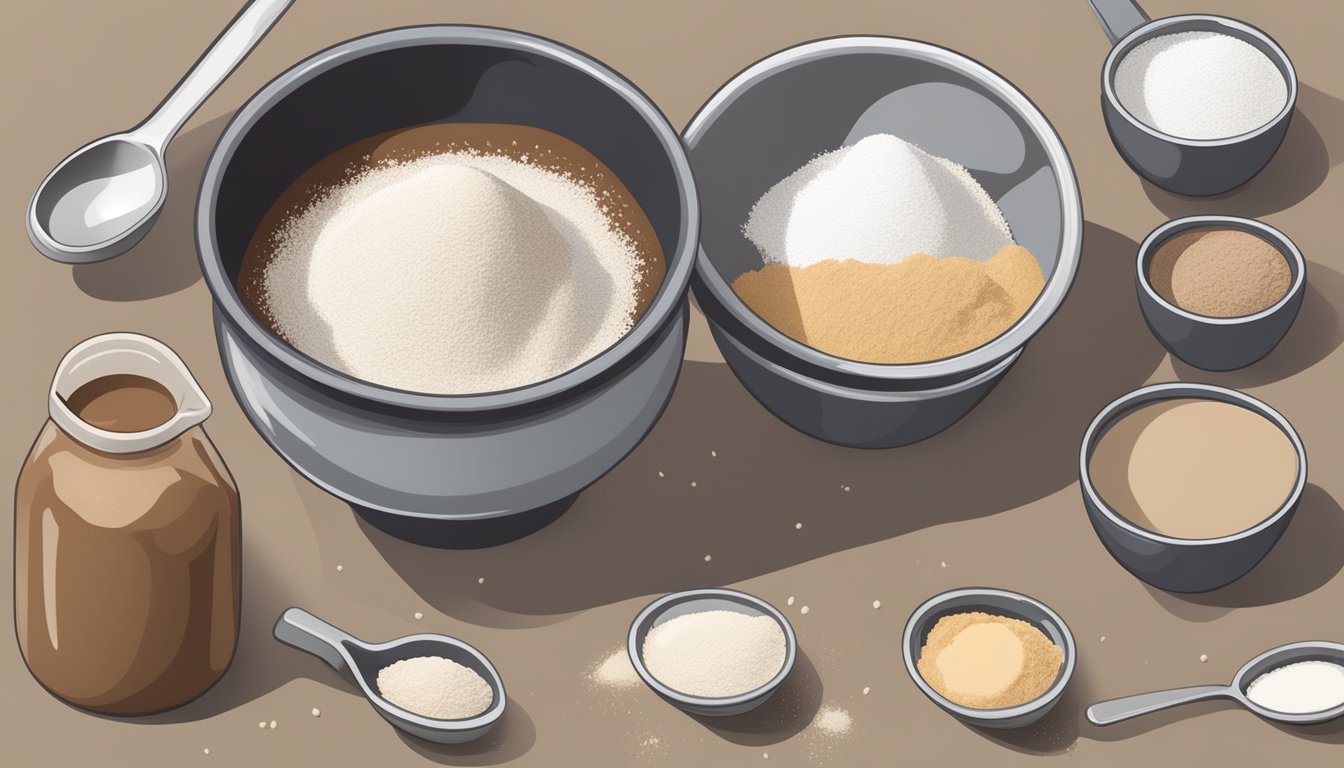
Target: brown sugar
[(917, 310), (1220, 272), (983, 661)]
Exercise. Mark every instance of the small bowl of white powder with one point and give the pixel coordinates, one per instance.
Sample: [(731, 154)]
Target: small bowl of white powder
[(712, 652), (1196, 104)]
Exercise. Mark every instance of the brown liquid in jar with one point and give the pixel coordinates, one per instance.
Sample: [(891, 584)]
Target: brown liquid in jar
[(123, 402), (535, 146), (127, 586)]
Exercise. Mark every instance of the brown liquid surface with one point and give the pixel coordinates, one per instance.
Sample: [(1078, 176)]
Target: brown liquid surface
[(536, 146), (123, 402), (1194, 469)]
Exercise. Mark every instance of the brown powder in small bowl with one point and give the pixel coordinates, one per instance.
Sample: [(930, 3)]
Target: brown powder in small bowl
[(1220, 272), (983, 661)]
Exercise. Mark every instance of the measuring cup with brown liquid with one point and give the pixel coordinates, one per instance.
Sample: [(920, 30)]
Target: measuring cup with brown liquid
[(126, 541)]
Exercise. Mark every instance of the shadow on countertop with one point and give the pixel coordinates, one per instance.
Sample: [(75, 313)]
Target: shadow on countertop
[(1311, 147), (636, 532), (165, 261), (1307, 557), (510, 740)]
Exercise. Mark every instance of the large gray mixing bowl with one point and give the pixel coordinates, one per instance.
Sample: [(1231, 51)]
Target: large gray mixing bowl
[(447, 470), (781, 112)]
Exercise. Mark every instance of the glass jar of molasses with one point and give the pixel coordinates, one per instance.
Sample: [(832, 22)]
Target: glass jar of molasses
[(126, 541)]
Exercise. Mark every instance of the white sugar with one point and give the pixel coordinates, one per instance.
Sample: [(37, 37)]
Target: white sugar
[(435, 687), (715, 653), (453, 274), (1301, 688), (879, 201), (1200, 85)]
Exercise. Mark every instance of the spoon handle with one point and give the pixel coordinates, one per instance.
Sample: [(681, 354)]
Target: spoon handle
[(1118, 17), (1115, 710), (306, 632), (229, 49)]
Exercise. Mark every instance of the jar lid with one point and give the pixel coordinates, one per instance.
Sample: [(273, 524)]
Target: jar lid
[(134, 354)]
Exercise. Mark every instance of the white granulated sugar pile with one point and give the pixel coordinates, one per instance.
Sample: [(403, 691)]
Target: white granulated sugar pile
[(833, 720), (435, 687), (878, 201), (453, 274), (615, 671), (1200, 85), (715, 653)]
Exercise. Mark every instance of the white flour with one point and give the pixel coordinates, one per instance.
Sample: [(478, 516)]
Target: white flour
[(715, 653), (435, 687), (453, 274), (1307, 686), (1200, 85), (878, 201)]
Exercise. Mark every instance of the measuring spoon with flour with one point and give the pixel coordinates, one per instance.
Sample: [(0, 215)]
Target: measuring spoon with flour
[(1270, 662), (301, 629), (105, 197)]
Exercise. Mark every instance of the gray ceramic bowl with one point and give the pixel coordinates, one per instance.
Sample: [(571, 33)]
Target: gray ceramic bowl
[(1190, 166), (997, 602), (1185, 565), (448, 470), (782, 111), (1219, 343), (695, 601)]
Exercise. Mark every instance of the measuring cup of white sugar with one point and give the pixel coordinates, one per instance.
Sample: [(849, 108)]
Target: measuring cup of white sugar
[(1195, 104)]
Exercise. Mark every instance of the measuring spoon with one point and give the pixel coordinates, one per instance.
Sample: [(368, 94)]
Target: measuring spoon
[(303, 630), (102, 199), (1115, 710), (1177, 164)]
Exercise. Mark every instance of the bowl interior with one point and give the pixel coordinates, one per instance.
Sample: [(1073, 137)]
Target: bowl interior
[(997, 603), (1126, 404), (1281, 243), (671, 607), (423, 75), (777, 121)]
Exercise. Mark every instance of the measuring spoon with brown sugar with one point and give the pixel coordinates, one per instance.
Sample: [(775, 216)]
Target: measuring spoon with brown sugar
[(301, 629)]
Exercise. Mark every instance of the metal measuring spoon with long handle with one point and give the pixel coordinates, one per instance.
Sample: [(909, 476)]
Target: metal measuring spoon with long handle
[(103, 198), (1116, 710), (303, 630)]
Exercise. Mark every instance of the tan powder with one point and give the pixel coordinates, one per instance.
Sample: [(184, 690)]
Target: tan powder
[(987, 662), (1194, 469), (919, 309), (1220, 272)]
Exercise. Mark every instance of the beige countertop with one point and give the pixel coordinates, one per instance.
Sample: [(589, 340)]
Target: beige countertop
[(993, 501)]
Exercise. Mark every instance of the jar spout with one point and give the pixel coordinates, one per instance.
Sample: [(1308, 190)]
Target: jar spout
[(126, 353)]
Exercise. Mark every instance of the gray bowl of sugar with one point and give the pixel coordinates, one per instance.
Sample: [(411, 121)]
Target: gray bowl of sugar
[(1196, 104), (454, 470), (731, 650), (782, 112), (1189, 486), (995, 603), (1268, 291)]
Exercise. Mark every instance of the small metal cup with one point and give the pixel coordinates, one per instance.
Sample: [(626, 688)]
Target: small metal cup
[(1219, 343), (1176, 164)]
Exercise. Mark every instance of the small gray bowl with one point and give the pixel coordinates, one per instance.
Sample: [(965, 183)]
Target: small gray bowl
[(1185, 565), (779, 113), (695, 601), (1219, 343), (997, 602)]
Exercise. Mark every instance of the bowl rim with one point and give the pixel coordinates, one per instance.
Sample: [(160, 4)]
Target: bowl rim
[(1154, 393), (656, 608), (1048, 698), (679, 261), (1057, 284), (1158, 27), (1281, 242)]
